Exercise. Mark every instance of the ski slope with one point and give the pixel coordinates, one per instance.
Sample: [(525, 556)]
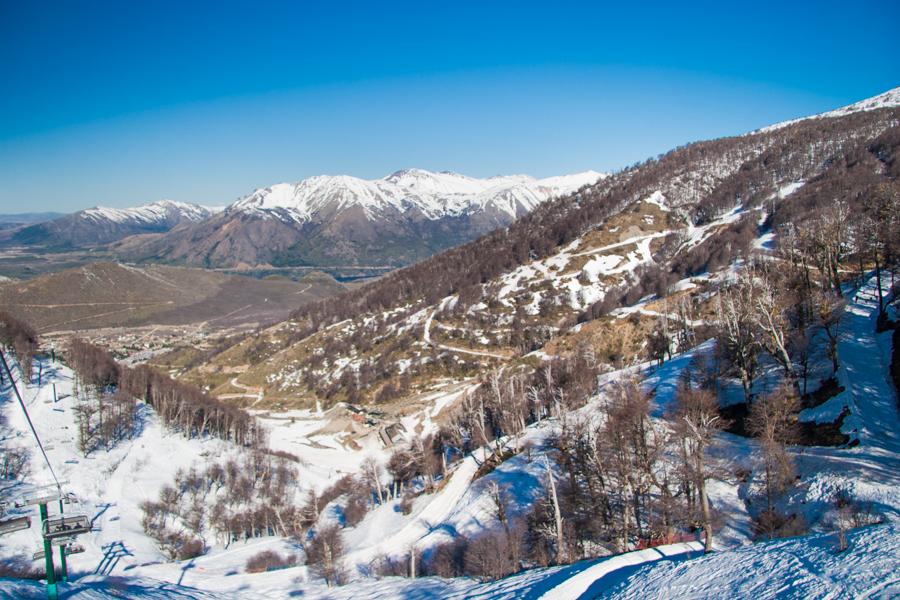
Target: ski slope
[(120, 561), (797, 568)]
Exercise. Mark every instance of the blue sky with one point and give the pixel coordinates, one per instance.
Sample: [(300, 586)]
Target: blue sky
[(122, 103)]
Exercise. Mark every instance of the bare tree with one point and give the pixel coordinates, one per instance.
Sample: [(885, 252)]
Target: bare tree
[(557, 516), (325, 554), (771, 315), (511, 534), (736, 332), (881, 221), (372, 471), (773, 419), (829, 310), (696, 421), (485, 556)]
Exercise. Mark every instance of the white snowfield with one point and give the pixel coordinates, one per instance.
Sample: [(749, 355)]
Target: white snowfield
[(157, 212), (435, 195), (579, 585), (120, 561), (797, 568)]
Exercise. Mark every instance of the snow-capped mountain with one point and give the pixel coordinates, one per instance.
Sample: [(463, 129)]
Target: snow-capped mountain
[(101, 225), (342, 220), (434, 195), (163, 211)]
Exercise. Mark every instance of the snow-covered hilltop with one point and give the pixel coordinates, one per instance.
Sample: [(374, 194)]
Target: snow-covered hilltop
[(161, 212), (435, 195), (888, 99)]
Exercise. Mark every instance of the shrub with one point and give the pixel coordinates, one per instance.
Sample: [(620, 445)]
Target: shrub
[(191, 548), (487, 557), (269, 560), (406, 501), (389, 566), (855, 512), (448, 559), (356, 508), (325, 555), (773, 523), (19, 567)]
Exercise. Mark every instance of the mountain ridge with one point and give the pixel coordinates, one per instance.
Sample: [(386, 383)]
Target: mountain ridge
[(888, 99), (435, 194), (325, 220), (96, 226)]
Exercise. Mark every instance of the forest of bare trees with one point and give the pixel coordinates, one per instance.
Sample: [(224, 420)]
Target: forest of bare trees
[(182, 407), (21, 338), (246, 496)]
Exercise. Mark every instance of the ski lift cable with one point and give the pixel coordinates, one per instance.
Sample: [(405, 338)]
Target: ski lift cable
[(15, 388)]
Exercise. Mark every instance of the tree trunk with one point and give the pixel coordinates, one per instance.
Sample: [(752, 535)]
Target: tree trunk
[(704, 505), (557, 516), (878, 285)]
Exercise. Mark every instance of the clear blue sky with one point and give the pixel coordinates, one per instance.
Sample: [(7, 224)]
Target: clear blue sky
[(125, 102)]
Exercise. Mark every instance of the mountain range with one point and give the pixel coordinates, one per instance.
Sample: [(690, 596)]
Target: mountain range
[(319, 221), (345, 221), (97, 226)]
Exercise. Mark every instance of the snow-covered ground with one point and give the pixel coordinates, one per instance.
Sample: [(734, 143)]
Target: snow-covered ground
[(120, 561), (870, 471), (795, 568), (109, 486)]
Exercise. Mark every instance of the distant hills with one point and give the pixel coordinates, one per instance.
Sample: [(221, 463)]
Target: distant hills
[(654, 243), (10, 221), (97, 226), (32, 217)]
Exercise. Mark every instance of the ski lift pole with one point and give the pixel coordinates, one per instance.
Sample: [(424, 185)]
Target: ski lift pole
[(52, 592), (64, 573)]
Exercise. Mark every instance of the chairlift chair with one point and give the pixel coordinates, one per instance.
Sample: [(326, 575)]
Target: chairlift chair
[(74, 549), (66, 526), (15, 524)]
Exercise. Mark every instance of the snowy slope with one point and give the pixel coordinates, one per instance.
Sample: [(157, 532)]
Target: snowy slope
[(109, 486), (804, 567), (871, 469), (888, 99), (112, 485), (157, 213), (801, 568), (435, 195)]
